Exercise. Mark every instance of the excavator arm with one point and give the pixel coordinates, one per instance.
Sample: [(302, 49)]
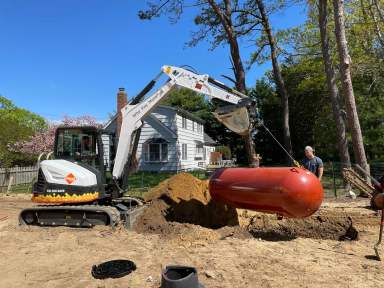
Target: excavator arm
[(234, 116)]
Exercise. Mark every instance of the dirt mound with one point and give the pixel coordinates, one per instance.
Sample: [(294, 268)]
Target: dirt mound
[(318, 227), (183, 199), (237, 232), (182, 186)]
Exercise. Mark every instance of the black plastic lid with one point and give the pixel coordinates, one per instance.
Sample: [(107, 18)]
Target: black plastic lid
[(113, 269)]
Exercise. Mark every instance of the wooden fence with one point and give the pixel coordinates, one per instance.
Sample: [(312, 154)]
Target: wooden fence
[(16, 176)]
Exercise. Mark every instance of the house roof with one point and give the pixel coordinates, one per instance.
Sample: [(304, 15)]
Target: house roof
[(109, 122), (208, 140), (177, 109), (183, 113)]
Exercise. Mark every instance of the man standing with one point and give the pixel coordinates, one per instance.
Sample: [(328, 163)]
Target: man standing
[(312, 162)]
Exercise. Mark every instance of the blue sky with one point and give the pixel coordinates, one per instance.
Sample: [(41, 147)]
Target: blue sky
[(69, 57)]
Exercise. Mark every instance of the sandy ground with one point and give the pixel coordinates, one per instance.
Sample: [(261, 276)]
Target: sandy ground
[(63, 257)]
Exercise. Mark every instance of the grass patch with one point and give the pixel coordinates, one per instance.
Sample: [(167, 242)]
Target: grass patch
[(20, 188)]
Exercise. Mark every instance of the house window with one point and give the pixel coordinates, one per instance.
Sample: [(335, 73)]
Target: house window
[(199, 128), (184, 122), (184, 153), (156, 150), (205, 154), (193, 125), (199, 149)]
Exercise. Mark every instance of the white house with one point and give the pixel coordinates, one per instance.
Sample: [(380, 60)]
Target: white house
[(171, 139)]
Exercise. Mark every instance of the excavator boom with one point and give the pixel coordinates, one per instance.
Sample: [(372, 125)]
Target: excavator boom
[(234, 116)]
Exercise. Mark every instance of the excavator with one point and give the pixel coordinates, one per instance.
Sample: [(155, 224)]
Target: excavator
[(73, 188)]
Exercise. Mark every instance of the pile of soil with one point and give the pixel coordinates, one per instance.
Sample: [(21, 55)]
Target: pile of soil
[(182, 186), (183, 199), (334, 227)]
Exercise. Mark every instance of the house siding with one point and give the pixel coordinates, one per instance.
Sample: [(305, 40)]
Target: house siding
[(106, 139), (190, 137), (167, 117)]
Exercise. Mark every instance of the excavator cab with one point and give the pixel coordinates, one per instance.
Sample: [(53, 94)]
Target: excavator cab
[(80, 144)]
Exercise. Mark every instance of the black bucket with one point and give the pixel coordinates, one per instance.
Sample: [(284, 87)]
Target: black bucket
[(180, 277)]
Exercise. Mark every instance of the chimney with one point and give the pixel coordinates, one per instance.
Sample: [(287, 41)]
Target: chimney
[(121, 102)]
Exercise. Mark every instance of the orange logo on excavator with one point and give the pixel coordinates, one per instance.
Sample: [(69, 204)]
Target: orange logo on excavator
[(70, 178)]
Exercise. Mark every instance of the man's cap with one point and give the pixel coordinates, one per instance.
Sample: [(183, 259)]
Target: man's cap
[(309, 148)]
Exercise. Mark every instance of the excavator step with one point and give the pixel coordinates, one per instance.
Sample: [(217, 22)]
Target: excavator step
[(73, 216)]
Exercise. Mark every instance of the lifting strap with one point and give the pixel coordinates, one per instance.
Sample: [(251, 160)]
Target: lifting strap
[(295, 162)]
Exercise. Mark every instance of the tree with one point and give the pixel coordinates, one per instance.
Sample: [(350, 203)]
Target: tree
[(11, 132), (188, 100), (346, 81), (16, 124), (311, 112), (269, 104), (215, 19), (333, 90), (277, 75), (370, 100), (22, 116), (225, 16)]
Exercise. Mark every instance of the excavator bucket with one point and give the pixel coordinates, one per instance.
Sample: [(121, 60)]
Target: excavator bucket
[(234, 118)]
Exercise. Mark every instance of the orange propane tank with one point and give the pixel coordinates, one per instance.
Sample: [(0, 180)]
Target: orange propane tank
[(286, 191)]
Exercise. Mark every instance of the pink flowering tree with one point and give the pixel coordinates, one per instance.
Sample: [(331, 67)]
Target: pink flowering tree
[(43, 141), (84, 120)]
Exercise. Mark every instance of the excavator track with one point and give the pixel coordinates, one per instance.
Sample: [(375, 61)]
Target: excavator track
[(73, 216)]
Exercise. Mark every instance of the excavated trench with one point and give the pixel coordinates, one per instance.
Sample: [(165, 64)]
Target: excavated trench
[(183, 200), (334, 227)]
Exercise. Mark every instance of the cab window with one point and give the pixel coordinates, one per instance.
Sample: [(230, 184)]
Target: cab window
[(77, 145)]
